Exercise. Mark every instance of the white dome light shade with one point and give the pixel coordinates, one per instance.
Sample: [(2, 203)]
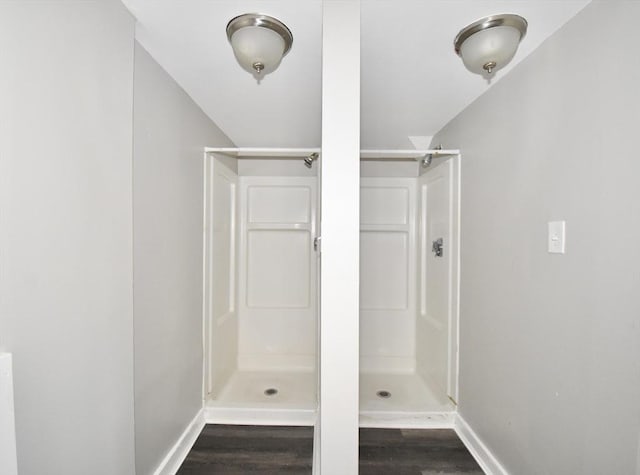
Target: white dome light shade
[(490, 47), (257, 49), (259, 42), (489, 44)]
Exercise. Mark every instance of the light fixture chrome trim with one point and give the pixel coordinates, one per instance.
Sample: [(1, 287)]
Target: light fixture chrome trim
[(507, 19), (265, 21)]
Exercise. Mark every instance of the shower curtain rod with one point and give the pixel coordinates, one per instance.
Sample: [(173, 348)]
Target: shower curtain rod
[(253, 152), (257, 152), (407, 154)]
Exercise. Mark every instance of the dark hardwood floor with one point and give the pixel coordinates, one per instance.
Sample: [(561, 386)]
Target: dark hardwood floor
[(268, 450), (414, 452), (235, 450)]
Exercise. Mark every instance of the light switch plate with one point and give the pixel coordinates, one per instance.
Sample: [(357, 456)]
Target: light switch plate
[(557, 237)]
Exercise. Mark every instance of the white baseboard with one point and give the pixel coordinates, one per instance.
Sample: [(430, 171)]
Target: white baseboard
[(8, 457), (485, 458), (172, 461)]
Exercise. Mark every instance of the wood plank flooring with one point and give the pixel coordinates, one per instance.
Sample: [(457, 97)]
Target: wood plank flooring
[(236, 450), (267, 450), (414, 452)]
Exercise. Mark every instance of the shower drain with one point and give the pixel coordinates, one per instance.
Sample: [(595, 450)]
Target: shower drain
[(383, 394), (270, 392)]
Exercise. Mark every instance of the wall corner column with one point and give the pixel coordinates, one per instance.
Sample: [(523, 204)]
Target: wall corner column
[(340, 181)]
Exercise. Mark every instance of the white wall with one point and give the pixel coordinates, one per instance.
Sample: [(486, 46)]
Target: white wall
[(550, 344), (170, 132), (65, 233)]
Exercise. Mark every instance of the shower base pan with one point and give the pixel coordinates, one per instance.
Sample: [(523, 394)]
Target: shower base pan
[(266, 398), (400, 401), (387, 400)]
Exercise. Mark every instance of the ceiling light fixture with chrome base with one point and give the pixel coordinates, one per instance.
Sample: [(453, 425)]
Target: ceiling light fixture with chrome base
[(488, 44), (259, 42)]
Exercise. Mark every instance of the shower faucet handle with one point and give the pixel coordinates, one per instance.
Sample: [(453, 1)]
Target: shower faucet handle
[(437, 247)]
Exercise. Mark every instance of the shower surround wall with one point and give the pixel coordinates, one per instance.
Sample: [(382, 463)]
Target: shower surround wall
[(550, 344), (261, 304), (387, 274), (277, 301), (261, 301), (407, 295)]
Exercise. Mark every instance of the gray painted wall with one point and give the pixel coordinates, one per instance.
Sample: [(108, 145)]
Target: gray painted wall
[(65, 232), (550, 344), (170, 133)]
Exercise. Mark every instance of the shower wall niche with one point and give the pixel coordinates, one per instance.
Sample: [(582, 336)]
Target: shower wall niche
[(261, 305)]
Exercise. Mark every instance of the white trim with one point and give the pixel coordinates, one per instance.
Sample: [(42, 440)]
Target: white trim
[(408, 420), (485, 458), (174, 458), (454, 282), (454, 341), (207, 166), (259, 416)]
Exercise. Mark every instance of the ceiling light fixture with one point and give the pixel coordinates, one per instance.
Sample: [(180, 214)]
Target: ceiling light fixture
[(259, 42), (489, 44)]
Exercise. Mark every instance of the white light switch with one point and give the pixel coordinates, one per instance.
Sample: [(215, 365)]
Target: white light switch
[(556, 244)]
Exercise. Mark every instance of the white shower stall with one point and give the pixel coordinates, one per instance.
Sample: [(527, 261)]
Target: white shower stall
[(262, 273)]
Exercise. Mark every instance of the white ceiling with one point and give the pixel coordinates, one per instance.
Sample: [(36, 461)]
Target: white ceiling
[(412, 82)]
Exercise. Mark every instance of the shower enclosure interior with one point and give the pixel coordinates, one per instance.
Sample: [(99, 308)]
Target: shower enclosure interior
[(262, 264)]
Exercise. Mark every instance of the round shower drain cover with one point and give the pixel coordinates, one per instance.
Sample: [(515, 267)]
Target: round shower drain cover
[(383, 394), (270, 392)]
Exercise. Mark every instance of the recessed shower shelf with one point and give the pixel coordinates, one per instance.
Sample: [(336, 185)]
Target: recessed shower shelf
[(258, 152)]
